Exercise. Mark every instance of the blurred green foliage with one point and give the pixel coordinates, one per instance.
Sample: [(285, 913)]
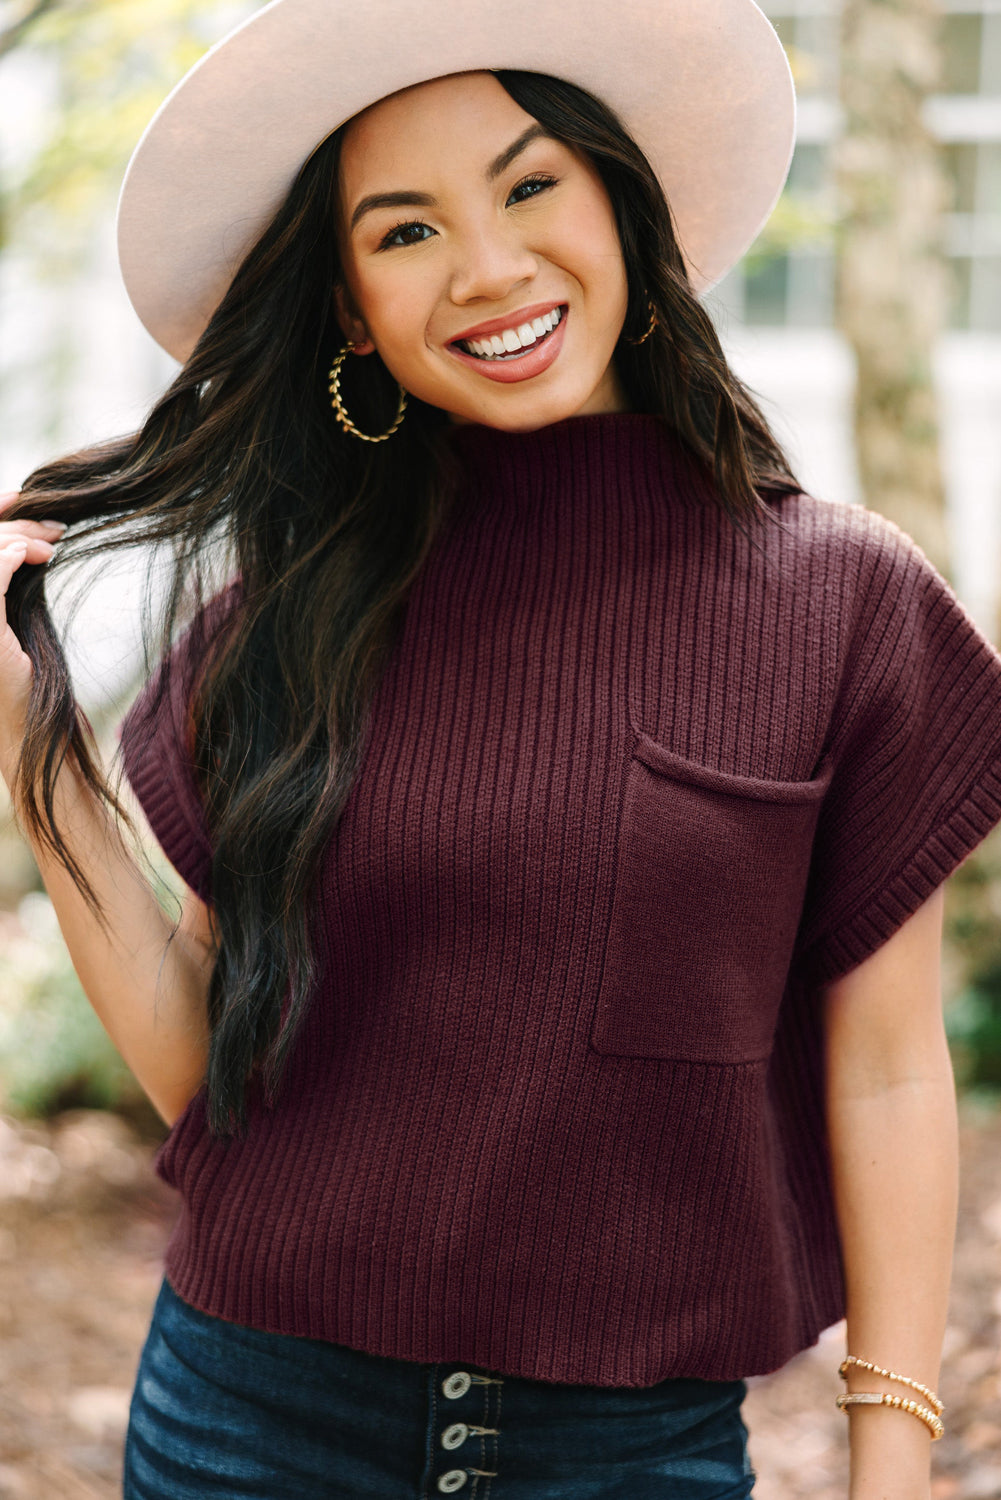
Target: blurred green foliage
[(799, 220), (974, 1025), (54, 1052), (108, 64), (802, 218), (973, 931)]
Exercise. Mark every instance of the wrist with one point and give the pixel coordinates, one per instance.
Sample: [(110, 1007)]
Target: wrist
[(890, 1455)]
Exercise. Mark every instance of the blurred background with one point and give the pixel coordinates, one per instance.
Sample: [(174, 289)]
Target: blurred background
[(867, 318)]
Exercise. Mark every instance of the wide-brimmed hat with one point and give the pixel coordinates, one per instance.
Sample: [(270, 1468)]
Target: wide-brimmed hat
[(703, 86)]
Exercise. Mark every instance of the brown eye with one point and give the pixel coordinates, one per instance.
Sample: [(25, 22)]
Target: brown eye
[(393, 241), (541, 182), (387, 243)]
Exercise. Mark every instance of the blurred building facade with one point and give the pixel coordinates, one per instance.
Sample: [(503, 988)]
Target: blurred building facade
[(778, 318), (796, 290)]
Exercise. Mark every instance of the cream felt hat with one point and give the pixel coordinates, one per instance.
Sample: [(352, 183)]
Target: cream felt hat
[(703, 86)]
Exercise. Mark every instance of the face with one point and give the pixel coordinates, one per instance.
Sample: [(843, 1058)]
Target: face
[(456, 226)]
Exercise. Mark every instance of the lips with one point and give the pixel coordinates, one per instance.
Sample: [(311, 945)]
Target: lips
[(513, 343), (521, 365), (512, 320)]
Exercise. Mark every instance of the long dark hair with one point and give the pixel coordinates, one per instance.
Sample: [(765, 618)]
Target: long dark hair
[(240, 465)]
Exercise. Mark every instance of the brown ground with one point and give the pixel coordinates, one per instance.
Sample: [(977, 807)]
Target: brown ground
[(83, 1223)]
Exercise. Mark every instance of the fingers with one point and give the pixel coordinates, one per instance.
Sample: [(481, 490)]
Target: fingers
[(49, 529), (12, 555), (39, 536), (34, 547)]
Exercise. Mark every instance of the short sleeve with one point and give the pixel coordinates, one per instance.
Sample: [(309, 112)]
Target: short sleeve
[(916, 743), (157, 752)]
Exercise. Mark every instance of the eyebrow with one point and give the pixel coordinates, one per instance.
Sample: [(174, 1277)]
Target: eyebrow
[(405, 199)]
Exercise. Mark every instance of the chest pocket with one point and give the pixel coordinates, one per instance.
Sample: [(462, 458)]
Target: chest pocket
[(710, 878)]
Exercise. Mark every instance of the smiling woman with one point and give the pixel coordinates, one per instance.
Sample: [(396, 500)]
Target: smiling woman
[(509, 236), (563, 797)]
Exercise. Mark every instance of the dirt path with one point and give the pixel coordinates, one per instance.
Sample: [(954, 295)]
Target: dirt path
[(83, 1223)]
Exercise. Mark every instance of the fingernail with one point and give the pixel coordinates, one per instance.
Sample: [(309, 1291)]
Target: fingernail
[(60, 524)]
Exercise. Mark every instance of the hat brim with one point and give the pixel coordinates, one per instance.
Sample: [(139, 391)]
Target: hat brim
[(703, 86)]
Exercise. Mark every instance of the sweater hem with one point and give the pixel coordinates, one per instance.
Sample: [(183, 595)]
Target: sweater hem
[(589, 1367)]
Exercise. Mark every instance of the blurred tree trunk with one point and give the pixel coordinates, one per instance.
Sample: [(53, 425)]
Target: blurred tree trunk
[(892, 285), (892, 291)]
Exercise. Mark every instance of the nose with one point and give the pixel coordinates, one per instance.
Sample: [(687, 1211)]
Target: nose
[(490, 264)]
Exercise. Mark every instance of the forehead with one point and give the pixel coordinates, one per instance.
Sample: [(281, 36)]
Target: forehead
[(445, 119)]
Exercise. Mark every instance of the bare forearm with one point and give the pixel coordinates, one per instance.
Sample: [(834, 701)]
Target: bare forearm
[(894, 1157), (147, 986)]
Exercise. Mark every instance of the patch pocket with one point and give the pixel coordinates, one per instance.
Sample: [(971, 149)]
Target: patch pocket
[(710, 877)]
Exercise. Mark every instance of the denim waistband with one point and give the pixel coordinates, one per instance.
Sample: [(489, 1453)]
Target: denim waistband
[(221, 1409)]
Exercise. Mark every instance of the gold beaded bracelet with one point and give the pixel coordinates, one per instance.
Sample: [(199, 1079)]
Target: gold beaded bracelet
[(882, 1398), (915, 1385)]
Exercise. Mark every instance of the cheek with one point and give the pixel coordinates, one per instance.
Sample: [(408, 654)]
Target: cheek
[(397, 304), (592, 239)]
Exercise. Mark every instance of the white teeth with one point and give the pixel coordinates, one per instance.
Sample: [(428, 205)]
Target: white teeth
[(513, 339)]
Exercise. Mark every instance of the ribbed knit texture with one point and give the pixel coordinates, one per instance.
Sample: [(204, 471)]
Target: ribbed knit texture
[(636, 785)]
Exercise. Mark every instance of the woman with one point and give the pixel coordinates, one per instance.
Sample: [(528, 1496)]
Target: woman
[(551, 1037)]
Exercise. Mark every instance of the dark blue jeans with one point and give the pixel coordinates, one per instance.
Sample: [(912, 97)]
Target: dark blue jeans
[(224, 1410)]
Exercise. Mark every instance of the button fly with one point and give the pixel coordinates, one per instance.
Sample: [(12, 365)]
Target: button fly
[(456, 1385), (452, 1481), (454, 1436)]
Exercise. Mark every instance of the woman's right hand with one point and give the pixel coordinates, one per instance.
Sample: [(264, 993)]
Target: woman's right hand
[(20, 542)]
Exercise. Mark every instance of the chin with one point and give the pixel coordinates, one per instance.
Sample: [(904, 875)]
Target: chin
[(537, 412)]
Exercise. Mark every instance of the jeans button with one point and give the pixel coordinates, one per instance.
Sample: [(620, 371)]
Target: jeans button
[(456, 1385), (454, 1436), (452, 1481)]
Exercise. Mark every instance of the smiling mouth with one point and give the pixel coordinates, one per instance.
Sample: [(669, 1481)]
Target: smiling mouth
[(494, 357)]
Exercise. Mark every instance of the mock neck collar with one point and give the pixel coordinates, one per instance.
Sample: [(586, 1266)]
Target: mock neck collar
[(603, 427), (603, 451)]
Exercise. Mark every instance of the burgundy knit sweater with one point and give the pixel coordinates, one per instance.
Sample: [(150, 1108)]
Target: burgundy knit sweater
[(636, 785)]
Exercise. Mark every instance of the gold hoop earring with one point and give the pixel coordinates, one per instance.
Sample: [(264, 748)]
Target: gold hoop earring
[(653, 324), (341, 413)]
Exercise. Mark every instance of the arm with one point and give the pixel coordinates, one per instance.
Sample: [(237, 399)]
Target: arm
[(892, 1125), (148, 984)]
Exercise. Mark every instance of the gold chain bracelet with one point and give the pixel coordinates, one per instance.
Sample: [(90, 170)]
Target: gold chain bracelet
[(882, 1398), (922, 1390)]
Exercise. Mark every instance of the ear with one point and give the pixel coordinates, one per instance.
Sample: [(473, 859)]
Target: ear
[(351, 325)]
